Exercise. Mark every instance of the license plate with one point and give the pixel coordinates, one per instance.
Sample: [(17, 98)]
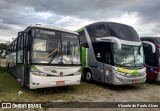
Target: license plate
[(135, 81), (60, 83)]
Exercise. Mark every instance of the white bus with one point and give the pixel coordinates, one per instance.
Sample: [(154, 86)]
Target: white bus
[(112, 53), (45, 56)]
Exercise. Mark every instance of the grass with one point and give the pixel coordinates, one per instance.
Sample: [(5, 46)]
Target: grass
[(9, 91)]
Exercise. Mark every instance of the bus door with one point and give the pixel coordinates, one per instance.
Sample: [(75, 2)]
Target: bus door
[(27, 47), (98, 65), (108, 62), (20, 59), (22, 68)]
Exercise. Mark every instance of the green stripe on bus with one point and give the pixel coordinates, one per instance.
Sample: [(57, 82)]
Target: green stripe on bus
[(123, 70), (83, 56), (76, 50), (80, 29)]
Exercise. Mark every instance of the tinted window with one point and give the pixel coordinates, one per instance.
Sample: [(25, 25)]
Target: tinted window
[(82, 37), (14, 46), (11, 47), (123, 32), (96, 31), (20, 42), (102, 51), (148, 39), (120, 31), (20, 48), (158, 56), (150, 58), (98, 51), (15, 43), (157, 40)]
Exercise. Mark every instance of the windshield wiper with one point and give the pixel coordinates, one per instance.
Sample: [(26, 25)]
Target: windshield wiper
[(140, 66), (53, 57), (122, 65)]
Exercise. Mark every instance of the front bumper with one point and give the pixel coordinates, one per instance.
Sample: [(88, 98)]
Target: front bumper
[(44, 82)]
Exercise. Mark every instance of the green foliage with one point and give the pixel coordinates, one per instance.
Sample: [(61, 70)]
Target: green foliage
[(9, 91), (3, 46)]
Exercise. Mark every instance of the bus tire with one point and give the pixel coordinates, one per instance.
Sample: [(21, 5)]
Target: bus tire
[(88, 76)]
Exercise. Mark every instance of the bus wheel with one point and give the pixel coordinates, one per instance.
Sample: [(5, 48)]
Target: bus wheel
[(88, 76)]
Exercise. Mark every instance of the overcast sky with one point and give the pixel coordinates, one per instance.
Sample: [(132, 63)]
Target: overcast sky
[(16, 15)]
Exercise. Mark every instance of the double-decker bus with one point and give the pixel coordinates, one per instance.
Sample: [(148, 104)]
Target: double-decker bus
[(45, 56), (151, 46), (111, 53)]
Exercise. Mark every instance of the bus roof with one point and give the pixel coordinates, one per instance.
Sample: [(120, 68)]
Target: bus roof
[(116, 23), (52, 28), (149, 37), (96, 23), (113, 29), (156, 40)]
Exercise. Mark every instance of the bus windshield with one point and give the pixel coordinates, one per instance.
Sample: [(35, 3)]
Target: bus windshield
[(54, 47), (129, 56)]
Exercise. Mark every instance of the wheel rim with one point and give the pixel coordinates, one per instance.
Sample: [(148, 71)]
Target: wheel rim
[(88, 76)]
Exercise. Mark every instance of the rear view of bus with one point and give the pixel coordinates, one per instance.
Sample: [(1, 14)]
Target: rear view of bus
[(45, 56), (151, 46), (112, 53)]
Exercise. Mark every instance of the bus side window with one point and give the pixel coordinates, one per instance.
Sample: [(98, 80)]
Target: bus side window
[(85, 45), (15, 46), (83, 40), (29, 39), (102, 52), (107, 51), (108, 58), (98, 51), (96, 31), (150, 58), (20, 48)]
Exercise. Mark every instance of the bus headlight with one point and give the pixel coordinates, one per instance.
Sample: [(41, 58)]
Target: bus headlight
[(39, 74), (118, 79), (43, 74), (143, 73), (120, 73)]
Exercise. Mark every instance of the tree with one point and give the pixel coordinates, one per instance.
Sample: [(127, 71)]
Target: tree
[(3, 48)]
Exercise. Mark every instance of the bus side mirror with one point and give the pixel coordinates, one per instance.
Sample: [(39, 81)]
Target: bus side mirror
[(85, 45), (152, 45), (111, 39)]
